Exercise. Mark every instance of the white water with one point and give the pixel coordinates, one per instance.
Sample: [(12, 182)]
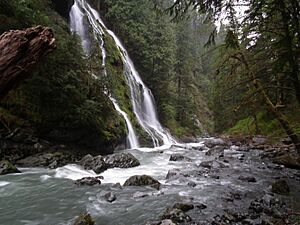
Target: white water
[(141, 97), (77, 25)]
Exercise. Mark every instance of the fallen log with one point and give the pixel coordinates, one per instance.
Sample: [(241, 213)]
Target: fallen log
[(20, 51)]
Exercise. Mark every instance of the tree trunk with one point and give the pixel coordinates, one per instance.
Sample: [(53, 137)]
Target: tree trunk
[(20, 51), (272, 108)]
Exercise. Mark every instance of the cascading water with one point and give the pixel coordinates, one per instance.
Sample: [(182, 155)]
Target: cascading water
[(141, 97), (77, 25)]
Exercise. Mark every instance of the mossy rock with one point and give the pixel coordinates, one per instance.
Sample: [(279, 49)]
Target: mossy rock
[(281, 187), (84, 219), (7, 167)]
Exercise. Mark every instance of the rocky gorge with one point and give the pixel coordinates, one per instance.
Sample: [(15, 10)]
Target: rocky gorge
[(214, 181)]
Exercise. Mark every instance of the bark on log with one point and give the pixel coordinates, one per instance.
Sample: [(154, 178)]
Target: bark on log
[(20, 51)]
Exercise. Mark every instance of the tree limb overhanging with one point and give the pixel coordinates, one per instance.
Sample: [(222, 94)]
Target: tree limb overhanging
[(20, 51)]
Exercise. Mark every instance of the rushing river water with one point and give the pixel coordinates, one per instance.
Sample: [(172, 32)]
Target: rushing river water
[(50, 197)]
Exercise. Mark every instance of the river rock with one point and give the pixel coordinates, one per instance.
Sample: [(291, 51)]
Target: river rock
[(90, 181), (110, 197), (173, 173), (201, 206), (7, 167), (211, 142), (142, 180), (183, 206), (288, 160), (121, 160), (280, 187), (178, 157), (84, 219), (206, 164), (217, 151), (176, 215), (167, 222), (247, 179), (96, 164), (50, 159)]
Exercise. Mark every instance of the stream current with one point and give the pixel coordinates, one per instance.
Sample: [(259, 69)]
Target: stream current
[(50, 197)]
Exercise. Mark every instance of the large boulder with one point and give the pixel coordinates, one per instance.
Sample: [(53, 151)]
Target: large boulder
[(142, 180), (280, 187), (101, 163), (7, 167), (51, 160), (121, 160), (96, 164)]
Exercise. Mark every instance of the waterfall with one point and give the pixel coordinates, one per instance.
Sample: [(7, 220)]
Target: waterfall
[(141, 96), (77, 25)]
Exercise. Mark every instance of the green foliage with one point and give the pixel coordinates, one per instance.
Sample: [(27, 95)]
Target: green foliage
[(61, 93), (158, 48)]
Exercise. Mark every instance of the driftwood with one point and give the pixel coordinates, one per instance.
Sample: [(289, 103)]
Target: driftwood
[(20, 51)]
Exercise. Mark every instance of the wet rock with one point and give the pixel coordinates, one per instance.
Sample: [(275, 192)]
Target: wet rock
[(142, 180), (206, 164), (173, 173), (84, 219), (199, 148), (288, 160), (110, 197), (250, 179), (121, 160), (167, 222), (280, 187), (183, 206), (50, 159), (53, 165), (178, 157), (201, 206), (176, 215), (117, 186), (7, 167), (191, 184), (96, 164), (90, 181), (86, 161), (211, 142), (217, 177), (217, 151)]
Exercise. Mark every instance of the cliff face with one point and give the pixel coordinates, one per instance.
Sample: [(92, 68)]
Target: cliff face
[(63, 7)]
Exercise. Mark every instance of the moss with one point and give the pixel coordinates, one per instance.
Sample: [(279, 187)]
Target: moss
[(267, 124)]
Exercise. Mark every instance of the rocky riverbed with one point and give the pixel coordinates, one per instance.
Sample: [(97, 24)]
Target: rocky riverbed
[(214, 181)]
